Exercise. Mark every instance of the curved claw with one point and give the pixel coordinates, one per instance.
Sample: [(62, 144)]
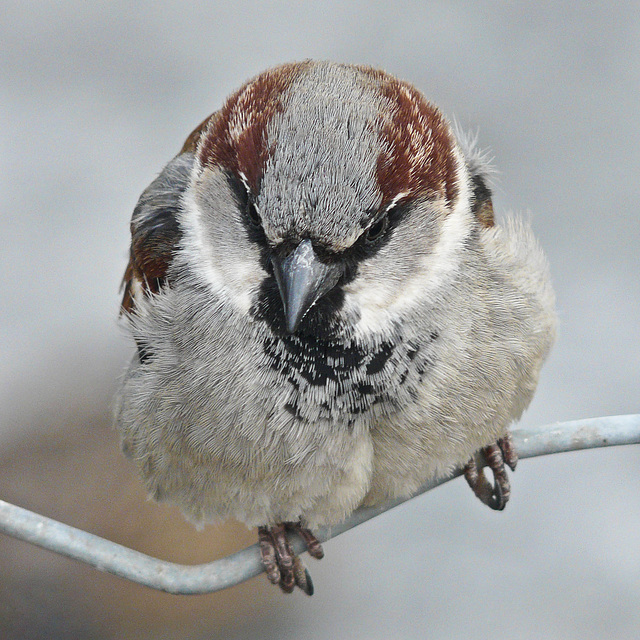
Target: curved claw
[(283, 567), (495, 455), (497, 500), (303, 577)]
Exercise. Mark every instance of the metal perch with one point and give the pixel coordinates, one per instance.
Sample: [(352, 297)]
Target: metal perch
[(238, 567)]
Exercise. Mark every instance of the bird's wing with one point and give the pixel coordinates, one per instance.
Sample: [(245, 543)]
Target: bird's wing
[(482, 206), (155, 231)]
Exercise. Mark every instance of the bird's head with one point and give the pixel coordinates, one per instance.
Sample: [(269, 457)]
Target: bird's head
[(321, 192)]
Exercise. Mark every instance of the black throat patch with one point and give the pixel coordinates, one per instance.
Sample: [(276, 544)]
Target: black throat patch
[(336, 381)]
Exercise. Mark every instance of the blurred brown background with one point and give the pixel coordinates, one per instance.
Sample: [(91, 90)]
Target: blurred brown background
[(96, 97)]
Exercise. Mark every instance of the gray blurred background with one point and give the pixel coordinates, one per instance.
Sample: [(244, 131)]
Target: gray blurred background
[(96, 97)]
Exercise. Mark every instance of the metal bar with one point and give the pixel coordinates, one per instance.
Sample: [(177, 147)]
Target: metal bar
[(238, 567)]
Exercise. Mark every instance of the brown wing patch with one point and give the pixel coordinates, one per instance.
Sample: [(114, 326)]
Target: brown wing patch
[(149, 257), (155, 231), (484, 214), (127, 285), (481, 203), (237, 139)]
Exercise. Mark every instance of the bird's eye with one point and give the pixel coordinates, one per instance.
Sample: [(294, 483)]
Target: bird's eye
[(377, 229), (245, 199), (252, 214)]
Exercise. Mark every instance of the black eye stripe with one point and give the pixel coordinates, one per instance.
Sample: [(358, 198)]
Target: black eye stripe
[(245, 199), (252, 213)]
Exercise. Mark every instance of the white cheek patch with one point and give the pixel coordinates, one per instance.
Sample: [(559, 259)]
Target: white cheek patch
[(193, 243), (229, 277), (372, 305), (438, 268), (381, 303)]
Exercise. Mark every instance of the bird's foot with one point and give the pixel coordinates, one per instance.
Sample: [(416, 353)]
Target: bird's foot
[(283, 567), (494, 456)]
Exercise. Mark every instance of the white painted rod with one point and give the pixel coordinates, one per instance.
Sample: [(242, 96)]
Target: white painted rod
[(238, 567)]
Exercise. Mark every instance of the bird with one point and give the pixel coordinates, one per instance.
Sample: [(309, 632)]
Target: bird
[(325, 310)]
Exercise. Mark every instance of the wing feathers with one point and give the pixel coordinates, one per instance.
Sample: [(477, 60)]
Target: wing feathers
[(155, 231)]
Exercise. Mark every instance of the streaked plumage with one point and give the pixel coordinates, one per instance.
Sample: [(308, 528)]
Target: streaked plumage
[(422, 329)]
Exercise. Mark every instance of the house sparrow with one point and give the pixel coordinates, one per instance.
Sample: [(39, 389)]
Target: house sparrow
[(326, 314)]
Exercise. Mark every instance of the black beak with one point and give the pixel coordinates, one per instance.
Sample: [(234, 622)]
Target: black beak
[(303, 280)]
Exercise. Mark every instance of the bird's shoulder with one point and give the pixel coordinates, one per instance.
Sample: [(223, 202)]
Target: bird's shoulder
[(155, 230)]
